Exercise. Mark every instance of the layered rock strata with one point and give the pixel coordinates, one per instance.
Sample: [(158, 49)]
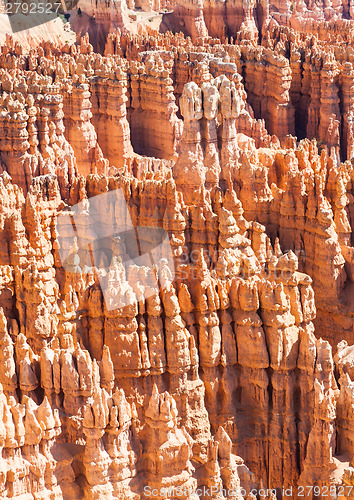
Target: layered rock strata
[(191, 338), (120, 377)]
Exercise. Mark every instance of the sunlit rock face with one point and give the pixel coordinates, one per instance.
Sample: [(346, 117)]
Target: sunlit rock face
[(176, 259)]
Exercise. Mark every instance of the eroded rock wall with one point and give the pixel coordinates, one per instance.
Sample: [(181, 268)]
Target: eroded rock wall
[(117, 376)]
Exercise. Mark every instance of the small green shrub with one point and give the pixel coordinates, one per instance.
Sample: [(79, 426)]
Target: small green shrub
[(320, 145)]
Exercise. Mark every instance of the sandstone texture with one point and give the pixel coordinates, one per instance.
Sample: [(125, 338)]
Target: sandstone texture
[(225, 370)]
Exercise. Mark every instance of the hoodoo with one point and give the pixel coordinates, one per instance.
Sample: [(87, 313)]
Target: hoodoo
[(177, 252)]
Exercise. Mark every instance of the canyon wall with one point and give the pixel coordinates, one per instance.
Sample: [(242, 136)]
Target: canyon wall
[(218, 365)]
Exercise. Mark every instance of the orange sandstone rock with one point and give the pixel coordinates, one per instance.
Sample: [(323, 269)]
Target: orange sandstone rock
[(119, 376)]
